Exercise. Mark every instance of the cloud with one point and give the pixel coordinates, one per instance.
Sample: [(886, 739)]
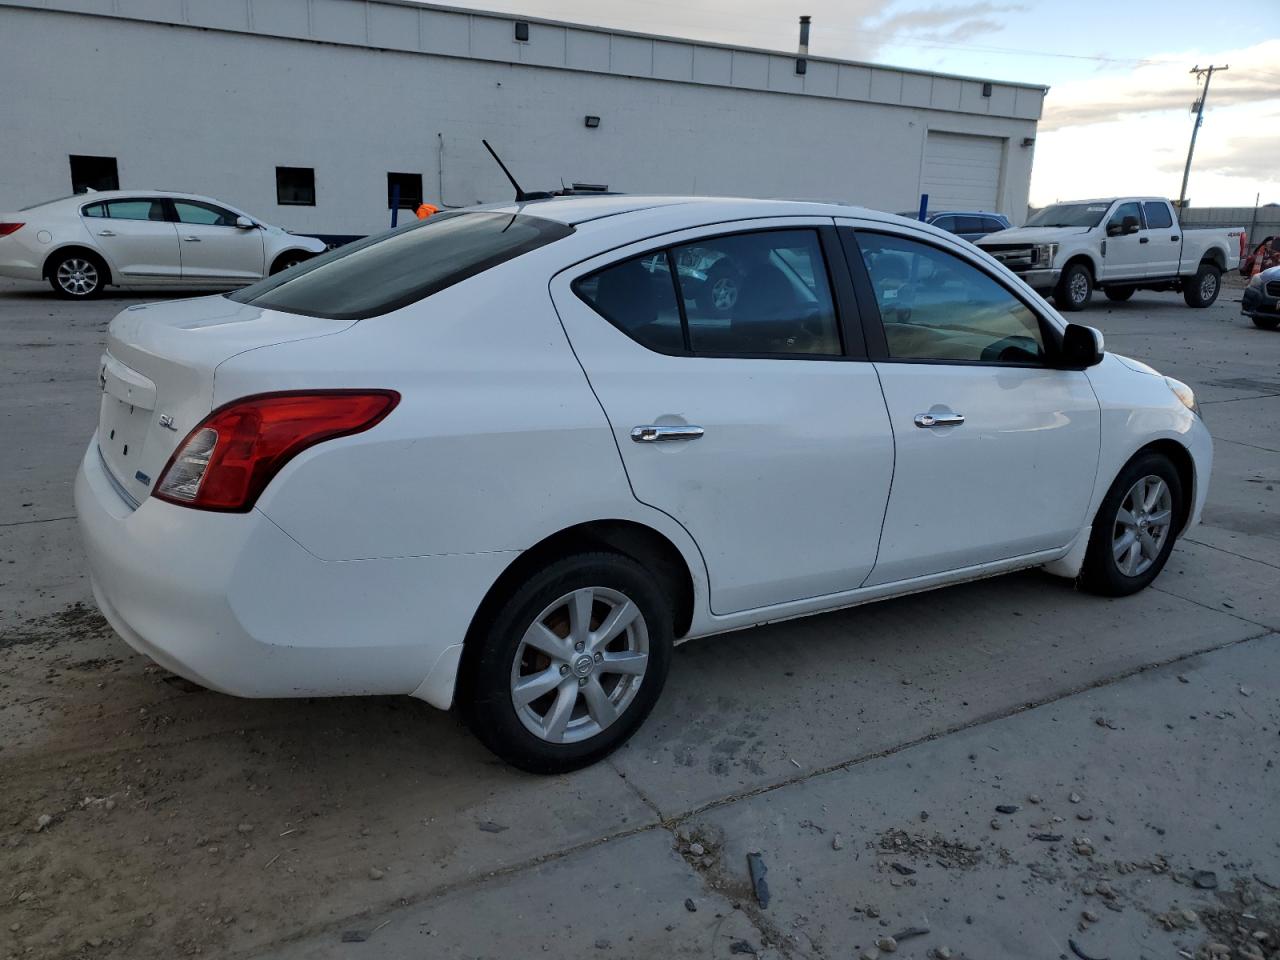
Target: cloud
[(1254, 158), (944, 22), (1165, 85)]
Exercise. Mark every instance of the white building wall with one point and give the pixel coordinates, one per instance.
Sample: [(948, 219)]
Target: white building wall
[(223, 91)]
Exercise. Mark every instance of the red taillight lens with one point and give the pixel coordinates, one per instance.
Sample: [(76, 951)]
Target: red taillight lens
[(8, 228), (227, 461)]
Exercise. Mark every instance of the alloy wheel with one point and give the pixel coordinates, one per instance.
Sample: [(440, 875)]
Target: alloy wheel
[(1208, 286), (77, 276), (1079, 287), (579, 665), (1142, 525)]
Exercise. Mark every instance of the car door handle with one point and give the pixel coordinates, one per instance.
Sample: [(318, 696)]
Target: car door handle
[(1144, 239), (939, 420), (654, 433), (191, 239), (106, 233), (1175, 239)]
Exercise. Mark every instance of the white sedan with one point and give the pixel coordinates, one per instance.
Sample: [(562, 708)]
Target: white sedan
[(505, 458), (143, 238)]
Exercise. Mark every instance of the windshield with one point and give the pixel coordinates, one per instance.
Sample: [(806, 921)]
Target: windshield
[(393, 269), (1070, 215)]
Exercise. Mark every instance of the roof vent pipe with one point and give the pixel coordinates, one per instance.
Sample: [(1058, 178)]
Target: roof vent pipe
[(802, 59)]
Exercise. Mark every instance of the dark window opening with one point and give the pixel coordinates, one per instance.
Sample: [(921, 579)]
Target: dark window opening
[(296, 186), (94, 173), (410, 185), (1158, 217)]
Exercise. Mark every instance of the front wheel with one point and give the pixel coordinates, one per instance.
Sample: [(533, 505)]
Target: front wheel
[(1134, 530), (1204, 286), (1075, 288), (287, 260), (570, 664), (1266, 323)]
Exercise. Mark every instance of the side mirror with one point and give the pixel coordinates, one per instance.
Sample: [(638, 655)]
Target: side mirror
[(244, 223), (1130, 225), (1081, 347)]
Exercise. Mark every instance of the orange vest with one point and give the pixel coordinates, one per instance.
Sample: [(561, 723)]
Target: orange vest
[(425, 210)]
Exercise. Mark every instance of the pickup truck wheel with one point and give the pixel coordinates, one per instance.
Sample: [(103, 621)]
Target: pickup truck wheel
[(1118, 294), (1074, 289), (1266, 323), (1204, 286)]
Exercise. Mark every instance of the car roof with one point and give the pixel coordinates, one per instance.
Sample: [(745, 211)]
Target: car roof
[(576, 210), (93, 196)]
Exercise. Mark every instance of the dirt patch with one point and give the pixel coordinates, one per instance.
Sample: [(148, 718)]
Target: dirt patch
[(78, 622), (945, 851)]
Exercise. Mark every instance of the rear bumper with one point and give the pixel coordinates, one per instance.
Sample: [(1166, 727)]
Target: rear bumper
[(233, 603)]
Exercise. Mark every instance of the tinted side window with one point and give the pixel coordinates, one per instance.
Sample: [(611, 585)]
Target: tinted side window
[(1122, 211), (94, 210), (1157, 216), (945, 223), (969, 225), (936, 306), (758, 293), (135, 209), (391, 270), (192, 211), (639, 298), (991, 224)]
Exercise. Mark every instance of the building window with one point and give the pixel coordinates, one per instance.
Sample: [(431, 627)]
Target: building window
[(296, 186), (410, 185), (94, 173)]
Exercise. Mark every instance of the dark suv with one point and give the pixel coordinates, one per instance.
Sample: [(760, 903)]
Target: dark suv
[(965, 224)]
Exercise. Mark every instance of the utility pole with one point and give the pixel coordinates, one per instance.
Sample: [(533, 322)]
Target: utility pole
[(1207, 73)]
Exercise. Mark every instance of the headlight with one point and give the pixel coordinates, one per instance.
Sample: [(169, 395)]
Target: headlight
[(1255, 280), (1042, 254), (1184, 393)]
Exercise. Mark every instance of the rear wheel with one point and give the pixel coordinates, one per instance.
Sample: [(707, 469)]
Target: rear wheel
[(1074, 289), (1266, 323), (1134, 530), (1204, 286), (1118, 294), (570, 664), (78, 275)]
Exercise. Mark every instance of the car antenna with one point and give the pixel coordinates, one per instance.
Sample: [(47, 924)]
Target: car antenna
[(521, 196)]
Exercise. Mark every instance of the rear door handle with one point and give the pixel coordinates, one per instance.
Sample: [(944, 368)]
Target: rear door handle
[(1175, 239), (106, 233), (938, 420), (1144, 239), (654, 433), (191, 239)]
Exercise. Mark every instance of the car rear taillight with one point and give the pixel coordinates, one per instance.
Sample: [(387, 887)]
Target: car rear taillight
[(228, 459), (8, 228)]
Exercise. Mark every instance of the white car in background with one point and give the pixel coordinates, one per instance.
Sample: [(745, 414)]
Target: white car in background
[(143, 238), (506, 457)]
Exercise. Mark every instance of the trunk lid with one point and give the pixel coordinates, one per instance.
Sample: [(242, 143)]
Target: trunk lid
[(157, 375)]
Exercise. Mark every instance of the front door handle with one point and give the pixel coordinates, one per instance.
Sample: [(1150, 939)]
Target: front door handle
[(106, 233), (939, 420), (1175, 239), (191, 239), (654, 433), (1144, 239)]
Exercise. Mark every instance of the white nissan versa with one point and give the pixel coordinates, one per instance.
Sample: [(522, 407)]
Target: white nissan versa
[(504, 458)]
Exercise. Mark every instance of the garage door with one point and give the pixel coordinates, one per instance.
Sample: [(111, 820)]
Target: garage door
[(962, 172)]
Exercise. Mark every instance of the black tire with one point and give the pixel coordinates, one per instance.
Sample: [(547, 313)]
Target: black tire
[(1118, 294), (1266, 323), (1101, 572), (1204, 286), (486, 684), (1075, 288), (78, 275), (288, 259)]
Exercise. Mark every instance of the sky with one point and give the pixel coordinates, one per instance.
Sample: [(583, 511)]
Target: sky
[(1117, 116)]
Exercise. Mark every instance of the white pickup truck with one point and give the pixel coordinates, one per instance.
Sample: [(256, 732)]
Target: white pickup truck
[(1118, 246)]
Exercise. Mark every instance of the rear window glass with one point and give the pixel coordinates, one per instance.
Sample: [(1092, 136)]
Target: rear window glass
[(388, 271)]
